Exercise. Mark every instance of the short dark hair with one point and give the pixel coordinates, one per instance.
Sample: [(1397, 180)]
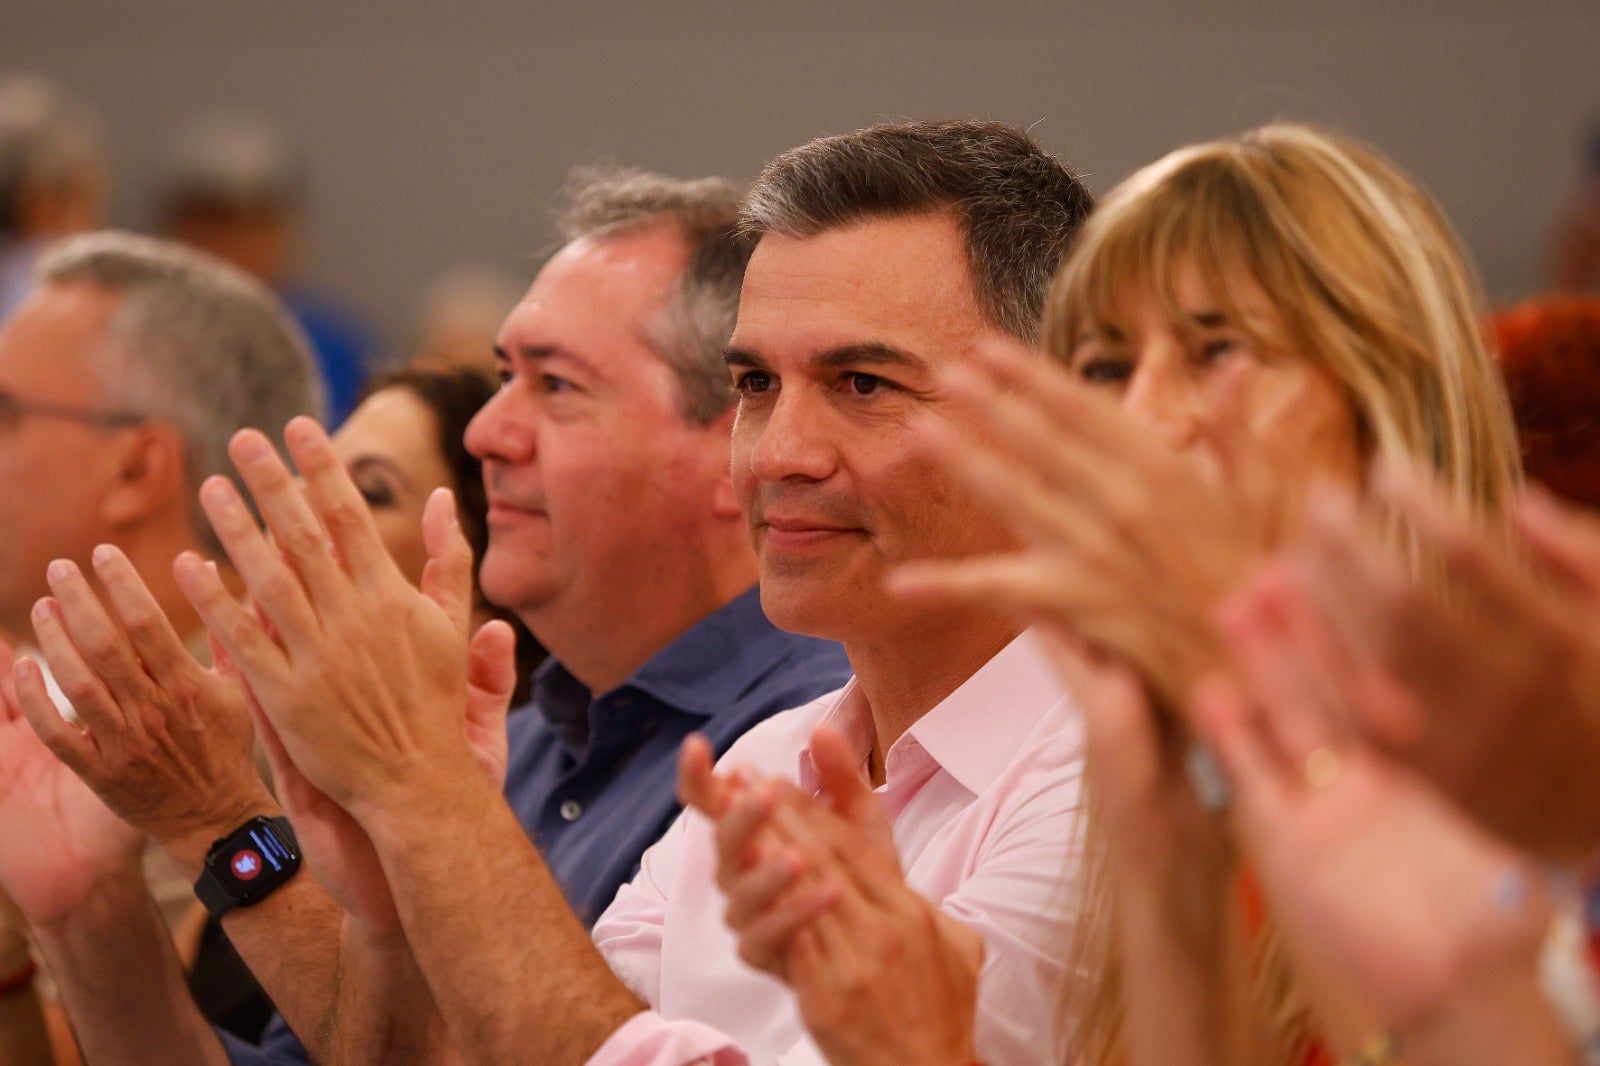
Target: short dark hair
[(695, 325), (1019, 207)]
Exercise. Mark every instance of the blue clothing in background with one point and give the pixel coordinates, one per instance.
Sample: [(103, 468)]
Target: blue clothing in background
[(346, 350), (593, 780)]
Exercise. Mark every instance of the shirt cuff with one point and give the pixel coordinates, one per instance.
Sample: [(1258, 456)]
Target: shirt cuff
[(648, 1039)]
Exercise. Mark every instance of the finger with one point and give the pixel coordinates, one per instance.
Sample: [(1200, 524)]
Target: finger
[(1055, 510), (491, 682), (1021, 584), (90, 699), (698, 786), (1476, 559), (1291, 704), (274, 586), (1561, 538), (338, 503), (296, 529), (246, 643), (765, 937), (738, 833), (65, 740), (148, 630), (844, 785), (98, 646), (1091, 419), (756, 888), (1017, 428), (1261, 784), (447, 575), (1369, 696)]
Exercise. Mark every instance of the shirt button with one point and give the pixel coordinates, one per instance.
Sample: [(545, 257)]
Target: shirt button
[(571, 810)]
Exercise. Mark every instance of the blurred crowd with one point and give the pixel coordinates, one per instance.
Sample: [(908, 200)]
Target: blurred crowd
[(903, 610)]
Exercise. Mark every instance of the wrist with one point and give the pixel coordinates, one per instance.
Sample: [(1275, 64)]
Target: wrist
[(189, 848), (425, 804)]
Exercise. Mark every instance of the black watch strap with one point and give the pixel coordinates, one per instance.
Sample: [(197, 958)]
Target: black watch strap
[(217, 897)]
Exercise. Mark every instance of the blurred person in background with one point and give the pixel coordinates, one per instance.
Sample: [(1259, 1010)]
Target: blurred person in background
[(53, 176), (235, 187), (1549, 350), (1575, 255), (462, 310), (122, 375)]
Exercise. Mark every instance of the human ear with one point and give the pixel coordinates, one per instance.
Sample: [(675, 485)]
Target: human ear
[(149, 474)]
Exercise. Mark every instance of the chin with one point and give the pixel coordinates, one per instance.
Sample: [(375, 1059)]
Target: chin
[(809, 611)]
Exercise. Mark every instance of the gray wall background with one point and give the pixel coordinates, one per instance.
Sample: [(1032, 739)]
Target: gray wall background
[(437, 136)]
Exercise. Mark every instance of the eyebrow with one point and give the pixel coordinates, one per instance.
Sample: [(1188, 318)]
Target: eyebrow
[(368, 462), (546, 352), (869, 354)]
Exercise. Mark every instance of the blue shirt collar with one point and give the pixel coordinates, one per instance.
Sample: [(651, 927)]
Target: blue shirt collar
[(702, 672)]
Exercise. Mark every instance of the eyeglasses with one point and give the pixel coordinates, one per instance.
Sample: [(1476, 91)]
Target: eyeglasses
[(14, 408)]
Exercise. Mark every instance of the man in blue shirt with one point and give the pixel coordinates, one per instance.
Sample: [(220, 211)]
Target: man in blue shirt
[(614, 535)]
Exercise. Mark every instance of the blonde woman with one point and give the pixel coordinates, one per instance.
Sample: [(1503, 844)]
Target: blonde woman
[(1238, 321)]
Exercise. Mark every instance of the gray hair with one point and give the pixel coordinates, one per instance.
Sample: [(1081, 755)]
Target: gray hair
[(694, 327), (1018, 206), (194, 343), (46, 136)]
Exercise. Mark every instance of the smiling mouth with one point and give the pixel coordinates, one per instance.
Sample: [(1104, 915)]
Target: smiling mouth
[(798, 536)]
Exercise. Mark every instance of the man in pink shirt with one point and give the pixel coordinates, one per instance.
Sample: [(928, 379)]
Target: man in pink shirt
[(883, 257)]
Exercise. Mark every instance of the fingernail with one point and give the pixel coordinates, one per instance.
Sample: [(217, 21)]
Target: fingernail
[(58, 570), (250, 446), (43, 610), (102, 554), (217, 491)]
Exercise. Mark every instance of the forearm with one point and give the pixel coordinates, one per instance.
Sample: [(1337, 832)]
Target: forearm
[(383, 1010), (511, 969), (289, 940), (122, 984), (1184, 974)]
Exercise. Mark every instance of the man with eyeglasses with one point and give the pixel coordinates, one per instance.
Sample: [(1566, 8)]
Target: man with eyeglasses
[(123, 373)]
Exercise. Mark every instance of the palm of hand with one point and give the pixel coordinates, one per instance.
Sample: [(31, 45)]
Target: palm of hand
[(1384, 936), (60, 839)]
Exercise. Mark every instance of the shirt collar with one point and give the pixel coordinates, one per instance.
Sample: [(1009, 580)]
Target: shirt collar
[(974, 733), (703, 671)]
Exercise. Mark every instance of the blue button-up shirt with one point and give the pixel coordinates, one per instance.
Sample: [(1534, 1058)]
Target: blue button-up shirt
[(593, 779)]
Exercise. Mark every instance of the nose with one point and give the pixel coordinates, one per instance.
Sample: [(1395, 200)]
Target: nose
[(503, 429), (789, 440), (1166, 397)]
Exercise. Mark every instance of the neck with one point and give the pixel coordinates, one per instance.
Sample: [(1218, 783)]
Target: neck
[(604, 651), (907, 674)]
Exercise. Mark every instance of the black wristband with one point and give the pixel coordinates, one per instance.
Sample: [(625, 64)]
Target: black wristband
[(248, 865)]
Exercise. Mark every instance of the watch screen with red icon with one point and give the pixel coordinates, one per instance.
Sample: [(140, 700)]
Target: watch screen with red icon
[(245, 866)]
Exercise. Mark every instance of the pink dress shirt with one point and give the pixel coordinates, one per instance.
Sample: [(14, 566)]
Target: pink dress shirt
[(983, 794)]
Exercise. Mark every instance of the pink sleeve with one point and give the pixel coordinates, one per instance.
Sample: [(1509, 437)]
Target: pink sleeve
[(647, 1039)]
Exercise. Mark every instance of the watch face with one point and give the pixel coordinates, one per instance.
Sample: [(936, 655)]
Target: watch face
[(254, 861)]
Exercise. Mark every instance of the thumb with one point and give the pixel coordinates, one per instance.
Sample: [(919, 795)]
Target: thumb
[(491, 680), (447, 577), (838, 768)]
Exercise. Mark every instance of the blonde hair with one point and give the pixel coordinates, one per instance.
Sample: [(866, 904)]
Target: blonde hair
[(1373, 285)]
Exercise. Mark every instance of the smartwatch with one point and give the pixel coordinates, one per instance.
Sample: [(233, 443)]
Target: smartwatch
[(248, 865)]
